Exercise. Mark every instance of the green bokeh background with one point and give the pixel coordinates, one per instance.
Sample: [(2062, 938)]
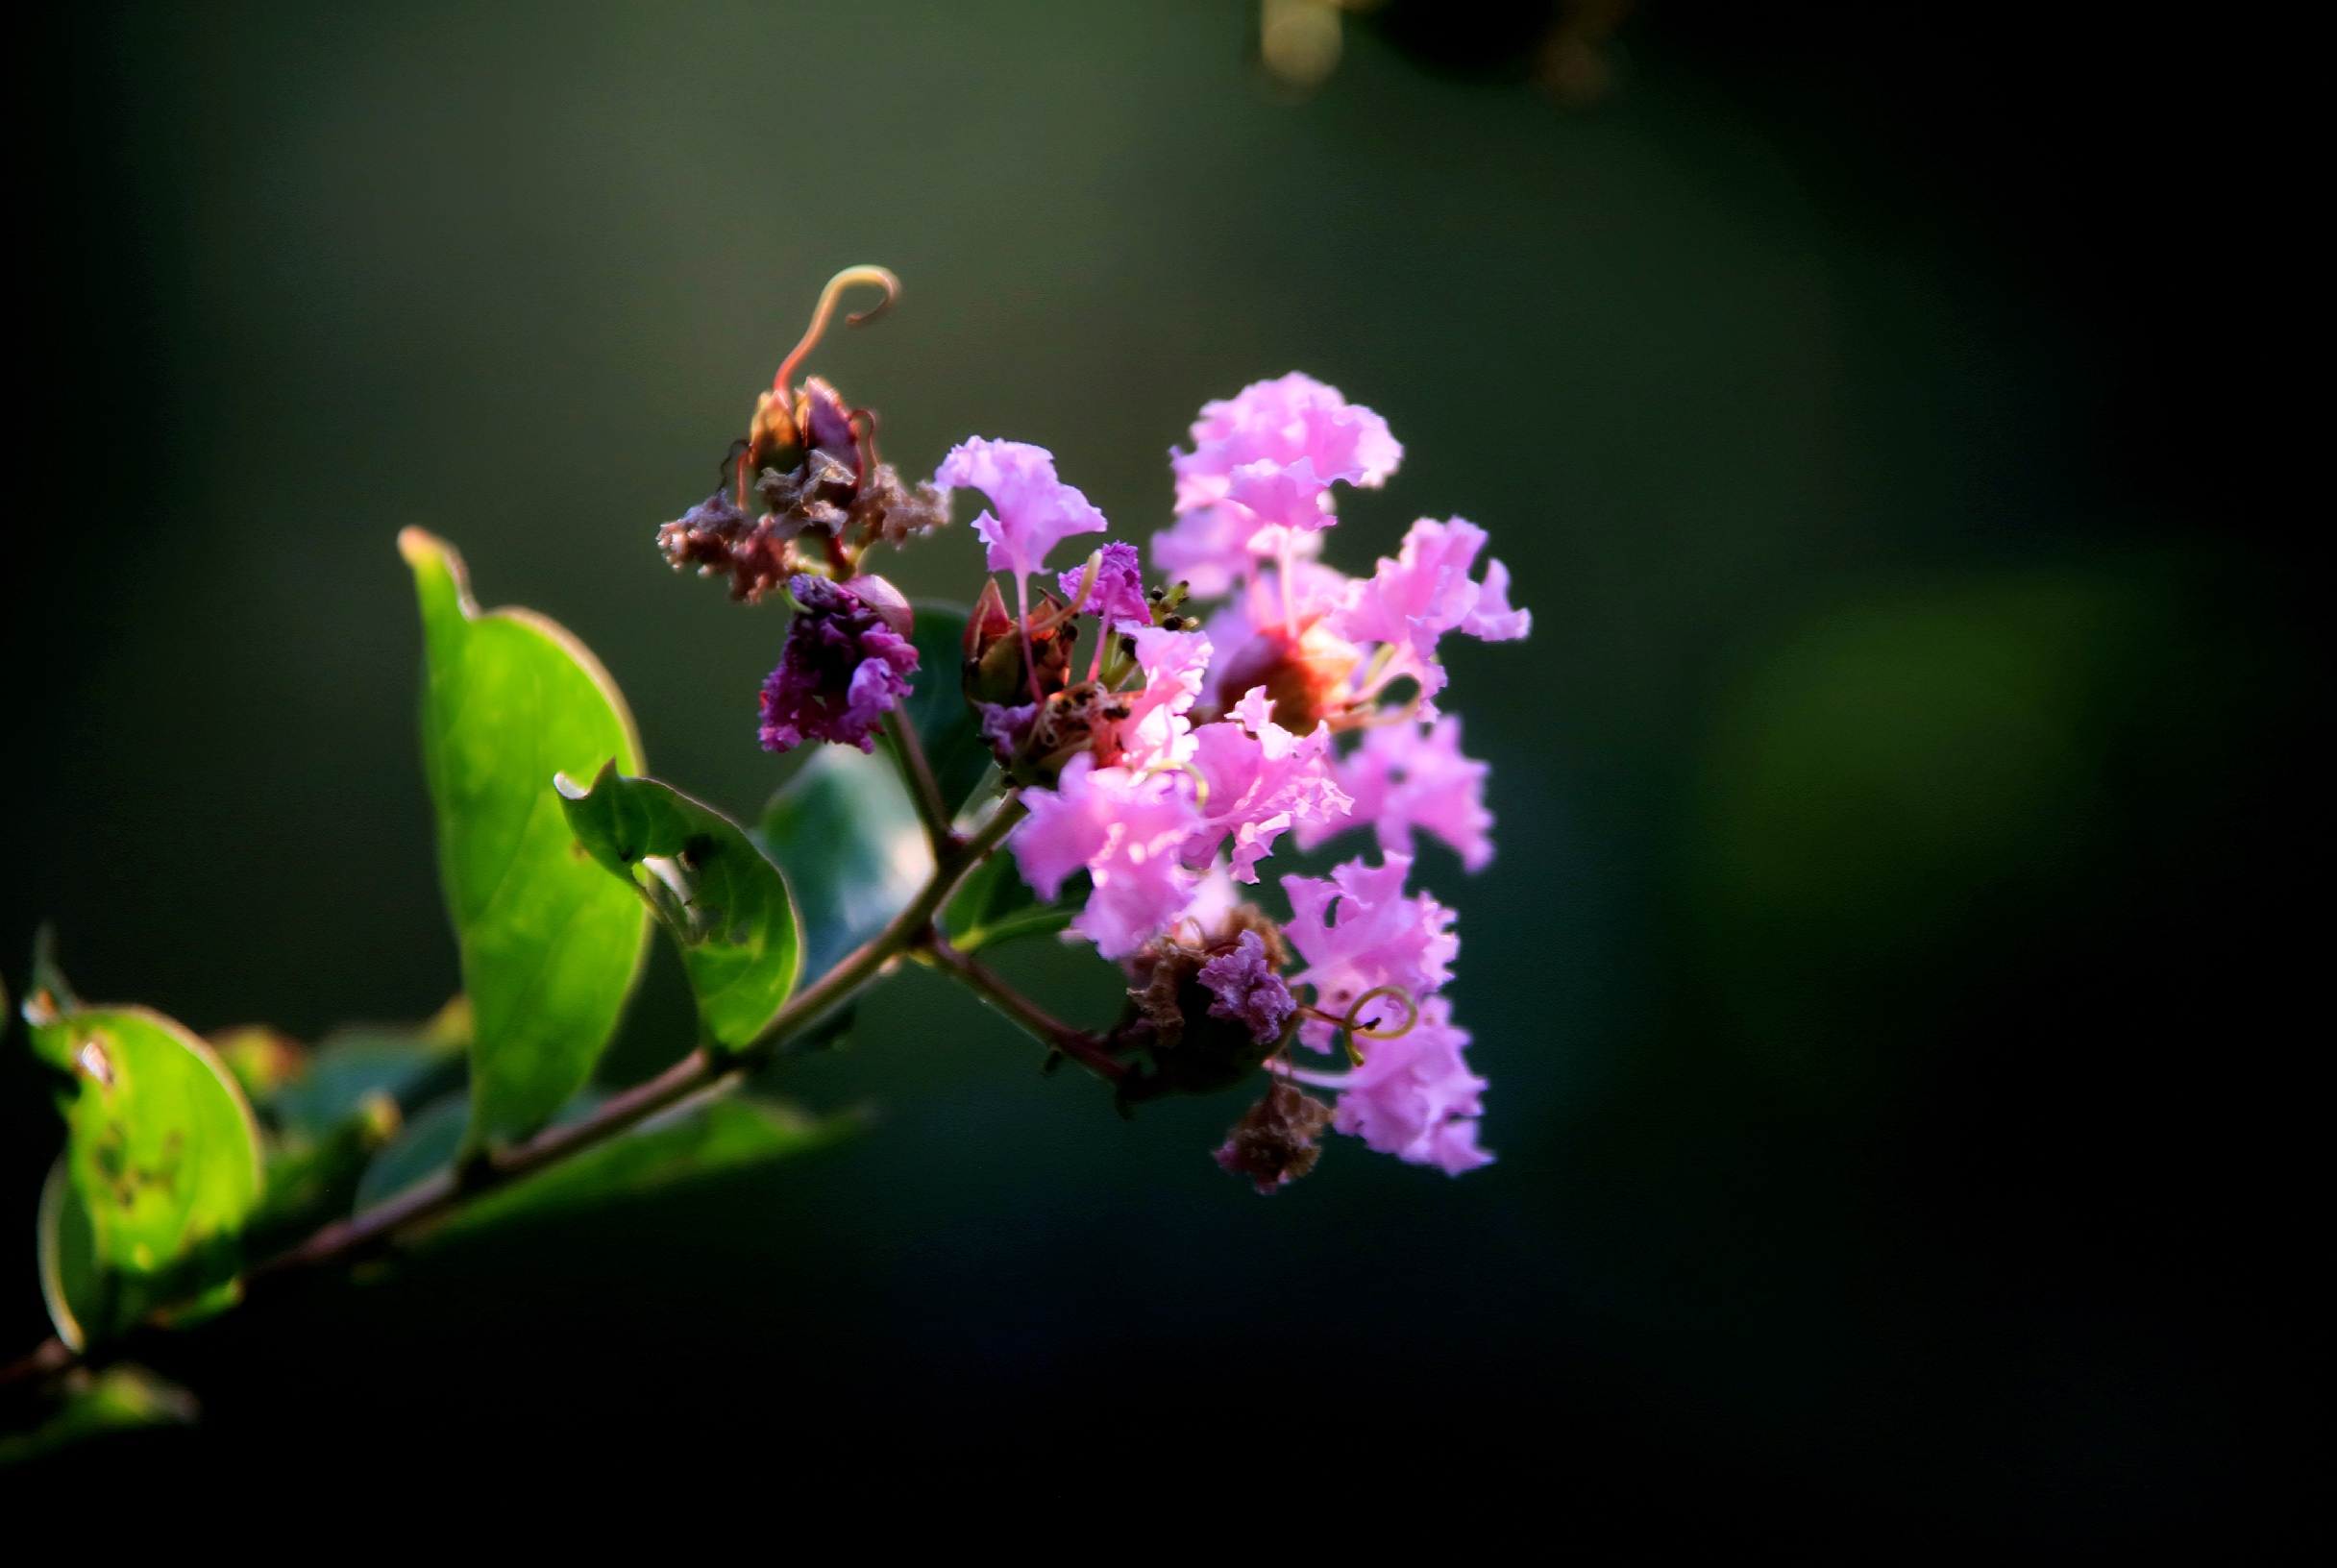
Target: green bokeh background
[(1873, 963)]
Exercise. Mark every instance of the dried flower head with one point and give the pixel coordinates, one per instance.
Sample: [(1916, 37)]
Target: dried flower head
[(1274, 1144), (846, 662)]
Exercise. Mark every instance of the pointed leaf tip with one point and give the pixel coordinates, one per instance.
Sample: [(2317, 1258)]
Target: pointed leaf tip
[(551, 949)]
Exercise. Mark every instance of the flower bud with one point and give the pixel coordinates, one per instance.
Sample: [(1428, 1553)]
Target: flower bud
[(994, 671), (773, 440)]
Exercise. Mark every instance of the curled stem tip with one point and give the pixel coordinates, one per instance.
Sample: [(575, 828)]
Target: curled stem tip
[(1372, 1030), (1200, 784), (875, 277)]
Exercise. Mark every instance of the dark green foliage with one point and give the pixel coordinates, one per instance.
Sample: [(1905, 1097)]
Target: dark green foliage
[(945, 726), (846, 834), (995, 905), (122, 1398)]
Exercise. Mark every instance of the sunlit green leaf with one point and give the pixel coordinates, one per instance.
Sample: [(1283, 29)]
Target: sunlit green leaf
[(550, 948), (846, 834), (163, 1157), (993, 905), (692, 1141), (70, 1284), (945, 726), (122, 1398), (715, 890)]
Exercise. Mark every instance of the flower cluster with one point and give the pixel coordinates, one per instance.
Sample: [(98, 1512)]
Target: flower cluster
[(1183, 750), (1163, 741)]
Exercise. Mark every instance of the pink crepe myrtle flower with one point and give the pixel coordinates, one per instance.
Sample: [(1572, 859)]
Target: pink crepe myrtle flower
[(1117, 593), (1156, 730), (1410, 603), (1254, 634), (1279, 497), (1207, 549), (1126, 830), (1261, 781), (1284, 422), (1257, 481), (844, 666), (1408, 776), (1034, 511), (1378, 938), (1412, 1096), (1247, 990)]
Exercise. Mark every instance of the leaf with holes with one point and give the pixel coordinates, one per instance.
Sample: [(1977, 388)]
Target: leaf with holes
[(162, 1168), (725, 903)]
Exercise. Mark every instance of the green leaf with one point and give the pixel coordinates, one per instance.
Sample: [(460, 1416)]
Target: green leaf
[(550, 948), (163, 1161), (993, 905), (945, 726), (846, 834), (356, 1062), (428, 1143), (70, 1284), (712, 888), (692, 1140), (122, 1398)]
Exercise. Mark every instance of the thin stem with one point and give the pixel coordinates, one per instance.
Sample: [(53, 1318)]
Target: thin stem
[(1078, 1044), (875, 277), (910, 753), (1030, 663), (438, 1195)]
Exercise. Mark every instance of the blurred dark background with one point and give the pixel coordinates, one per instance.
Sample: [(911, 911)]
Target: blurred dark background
[(1888, 975)]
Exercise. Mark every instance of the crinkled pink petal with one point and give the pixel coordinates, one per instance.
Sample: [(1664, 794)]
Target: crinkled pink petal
[(1316, 591), (1491, 617), (1413, 1096), (1407, 776), (1064, 830), (1380, 937), (1411, 601), (1207, 549), (1127, 831), (1032, 509), (1156, 728), (1141, 887), (1285, 421), (1258, 786), (1280, 496), (1255, 711)]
